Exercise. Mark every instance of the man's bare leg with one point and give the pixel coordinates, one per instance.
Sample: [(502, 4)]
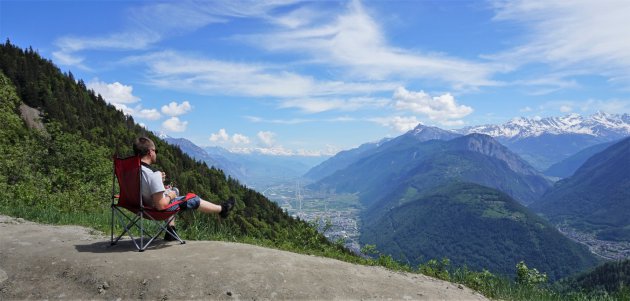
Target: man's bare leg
[(207, 207)]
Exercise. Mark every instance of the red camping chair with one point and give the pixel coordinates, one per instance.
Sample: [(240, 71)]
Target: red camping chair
[(128, 172)]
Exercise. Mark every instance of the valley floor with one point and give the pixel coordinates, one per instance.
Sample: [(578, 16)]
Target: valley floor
[(611, 250)]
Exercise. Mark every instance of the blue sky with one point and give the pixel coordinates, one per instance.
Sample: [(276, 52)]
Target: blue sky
[(316, 77)]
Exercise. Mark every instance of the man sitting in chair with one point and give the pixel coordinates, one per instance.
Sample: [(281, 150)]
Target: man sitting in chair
[(155, 194)]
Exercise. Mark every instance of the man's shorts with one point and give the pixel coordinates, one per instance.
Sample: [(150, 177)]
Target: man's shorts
[(191, 203)]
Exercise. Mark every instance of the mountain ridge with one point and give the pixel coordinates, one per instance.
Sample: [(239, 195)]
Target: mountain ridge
[(596, 197), (406, 157), (598, 124), (474, 225)]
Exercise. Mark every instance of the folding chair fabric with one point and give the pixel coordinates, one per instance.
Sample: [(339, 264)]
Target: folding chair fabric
[(128, 172)]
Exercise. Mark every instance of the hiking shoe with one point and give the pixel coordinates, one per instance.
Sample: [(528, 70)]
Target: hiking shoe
[(168, 236), (226, 207)]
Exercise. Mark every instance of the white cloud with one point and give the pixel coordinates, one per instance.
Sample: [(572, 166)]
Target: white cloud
[(150, 114), (317, 105), (173, 124), (150, 23), (572, 36), (266, 138), (300, 120), (297, 18), (220, 136), (526, 109), (174, 109), (282, 151), (114, 93), (173, 70), (70, 59), (121, 96), (443, 109), (354, 41), (139, 112), (398, 123), (240, 139)]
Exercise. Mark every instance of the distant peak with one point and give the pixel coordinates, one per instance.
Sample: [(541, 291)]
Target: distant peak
[(600, 123), (163, 135), (424, 133)]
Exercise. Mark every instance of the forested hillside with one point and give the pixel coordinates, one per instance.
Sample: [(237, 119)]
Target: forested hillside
[(475, 226), (596, 198), (608, 278), (63, 174)]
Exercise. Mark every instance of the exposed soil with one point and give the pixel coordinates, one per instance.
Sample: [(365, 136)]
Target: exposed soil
[(70, 262)]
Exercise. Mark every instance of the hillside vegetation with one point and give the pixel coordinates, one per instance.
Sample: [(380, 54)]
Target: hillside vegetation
[(475, 226), (596, 198), (568, 166), (64, 174)]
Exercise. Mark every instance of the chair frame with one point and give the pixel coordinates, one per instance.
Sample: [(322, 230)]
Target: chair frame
[(160, 217)]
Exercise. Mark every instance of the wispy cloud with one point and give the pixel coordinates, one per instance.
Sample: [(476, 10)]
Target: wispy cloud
[(327, 104), (300, 120), (150, 23), (573, 36), (177, 71), (355, 42)]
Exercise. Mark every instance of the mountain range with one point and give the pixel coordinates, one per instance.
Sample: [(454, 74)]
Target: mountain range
[(253, 169), (432, 192), (542, 142), (413, 159), (343, 159), (546, 141), (596, 198), (568, 166)]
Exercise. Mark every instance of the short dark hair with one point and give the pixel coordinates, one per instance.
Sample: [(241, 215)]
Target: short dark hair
[(142, 146)]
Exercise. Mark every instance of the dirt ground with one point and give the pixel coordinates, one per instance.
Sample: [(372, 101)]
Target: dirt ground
[(69, 262)]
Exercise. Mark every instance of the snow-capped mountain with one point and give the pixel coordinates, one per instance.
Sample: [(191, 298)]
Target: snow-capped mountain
[(546, 141), (600, 125)]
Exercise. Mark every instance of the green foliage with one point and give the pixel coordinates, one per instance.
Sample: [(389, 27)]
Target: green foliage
[(454, 222), (529, 277), (64, 174), (436, 268), (610, 277), (595, 198)]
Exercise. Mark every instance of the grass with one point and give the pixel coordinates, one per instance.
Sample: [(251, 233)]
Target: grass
[(488, 284)]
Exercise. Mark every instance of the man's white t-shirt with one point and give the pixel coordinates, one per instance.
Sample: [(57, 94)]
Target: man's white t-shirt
[(151, 184)]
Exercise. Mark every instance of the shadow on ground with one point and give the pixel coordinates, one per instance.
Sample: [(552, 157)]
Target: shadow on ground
[(122, 246)]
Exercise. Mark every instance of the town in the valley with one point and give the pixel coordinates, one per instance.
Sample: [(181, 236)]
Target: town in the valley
[(336, 215)]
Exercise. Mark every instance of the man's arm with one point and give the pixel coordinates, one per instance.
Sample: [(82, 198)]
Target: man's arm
[(161, 200)]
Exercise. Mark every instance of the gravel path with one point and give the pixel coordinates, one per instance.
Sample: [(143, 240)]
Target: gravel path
[(70, 262)]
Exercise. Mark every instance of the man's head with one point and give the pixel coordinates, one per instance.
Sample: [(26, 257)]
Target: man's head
[(144, 147)]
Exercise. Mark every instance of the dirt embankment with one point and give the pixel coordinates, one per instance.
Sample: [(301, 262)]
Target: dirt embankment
[(69, 262)]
